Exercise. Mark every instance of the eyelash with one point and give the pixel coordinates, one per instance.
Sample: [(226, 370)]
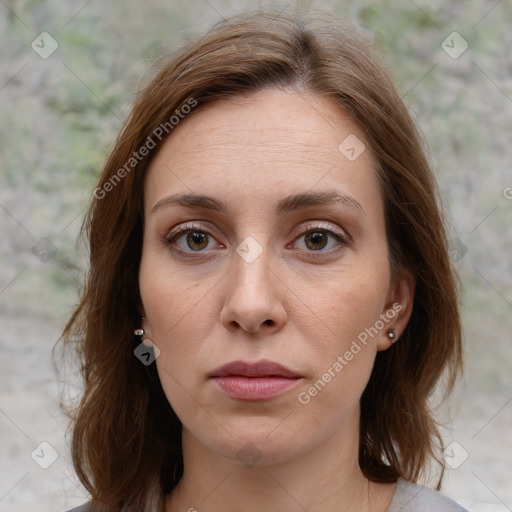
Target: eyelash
[(188, 228)]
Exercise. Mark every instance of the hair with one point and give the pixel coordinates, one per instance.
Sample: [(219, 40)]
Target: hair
[(126, 438)]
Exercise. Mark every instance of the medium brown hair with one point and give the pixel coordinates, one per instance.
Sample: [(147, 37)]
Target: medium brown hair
[(126, 439)]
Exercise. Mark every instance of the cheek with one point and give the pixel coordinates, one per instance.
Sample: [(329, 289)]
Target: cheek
[(179, 317), (342, 337), (167, 296), (170, 306), (349, 303), (342, 365)]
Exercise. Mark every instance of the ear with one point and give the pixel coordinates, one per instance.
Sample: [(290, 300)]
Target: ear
[(398, 308), (140, 309), (142, 318)]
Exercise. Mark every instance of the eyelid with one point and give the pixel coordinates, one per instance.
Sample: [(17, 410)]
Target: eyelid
[(344, 238), (187, 226), (319, 224)]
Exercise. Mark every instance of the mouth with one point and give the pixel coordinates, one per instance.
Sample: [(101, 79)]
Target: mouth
[(257, 381)]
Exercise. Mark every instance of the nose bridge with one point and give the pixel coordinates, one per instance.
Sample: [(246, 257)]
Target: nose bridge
[(252, 298), (250, 271)]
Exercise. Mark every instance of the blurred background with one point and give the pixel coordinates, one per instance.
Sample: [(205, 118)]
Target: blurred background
[(68, 74)]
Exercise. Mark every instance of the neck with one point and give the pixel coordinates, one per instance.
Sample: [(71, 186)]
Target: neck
[(325, 478)]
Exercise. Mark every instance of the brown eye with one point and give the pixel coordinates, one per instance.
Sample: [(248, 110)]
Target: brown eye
[(316, 240), (190, 239), (195, 240)]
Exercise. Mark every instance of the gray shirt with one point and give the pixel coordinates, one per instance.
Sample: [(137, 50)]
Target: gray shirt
[(408, 497), (417, 498)]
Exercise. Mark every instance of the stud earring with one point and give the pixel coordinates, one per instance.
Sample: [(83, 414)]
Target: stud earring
[(140, 332), (391, 334)]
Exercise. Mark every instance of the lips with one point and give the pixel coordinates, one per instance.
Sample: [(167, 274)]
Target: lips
[(257, 381), (259, 369)]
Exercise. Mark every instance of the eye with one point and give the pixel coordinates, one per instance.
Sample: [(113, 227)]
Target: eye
[(196, 239), (318, 238), (189, 238)]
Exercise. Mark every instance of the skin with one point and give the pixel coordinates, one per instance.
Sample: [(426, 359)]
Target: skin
[(214, 307)]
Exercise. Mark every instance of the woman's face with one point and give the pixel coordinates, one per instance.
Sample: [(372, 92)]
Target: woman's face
[(249, 258)]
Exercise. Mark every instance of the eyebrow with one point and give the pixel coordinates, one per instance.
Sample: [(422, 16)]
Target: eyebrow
[(287, 204)]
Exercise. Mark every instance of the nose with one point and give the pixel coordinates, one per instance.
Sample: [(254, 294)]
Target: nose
[(253, 301)]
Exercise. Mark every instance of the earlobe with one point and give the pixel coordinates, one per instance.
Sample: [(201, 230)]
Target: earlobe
[(390, 333), (141, 321), (398, 310), (142, 314)]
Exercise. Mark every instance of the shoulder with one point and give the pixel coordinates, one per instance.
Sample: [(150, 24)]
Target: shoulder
[(81, 508), (411, 497)]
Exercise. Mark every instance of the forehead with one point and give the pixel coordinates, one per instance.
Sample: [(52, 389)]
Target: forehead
[(263, 143)]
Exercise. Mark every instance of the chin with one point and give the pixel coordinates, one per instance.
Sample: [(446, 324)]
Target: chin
[(250, 451), (260, 441)]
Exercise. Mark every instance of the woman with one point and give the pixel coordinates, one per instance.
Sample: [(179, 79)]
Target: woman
[(270, 301)]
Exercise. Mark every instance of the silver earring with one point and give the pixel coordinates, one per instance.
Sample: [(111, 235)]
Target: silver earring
[(140, 331), (391, 335)]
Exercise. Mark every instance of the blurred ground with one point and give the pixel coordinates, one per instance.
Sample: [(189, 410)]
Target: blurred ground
[(59, 116)]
